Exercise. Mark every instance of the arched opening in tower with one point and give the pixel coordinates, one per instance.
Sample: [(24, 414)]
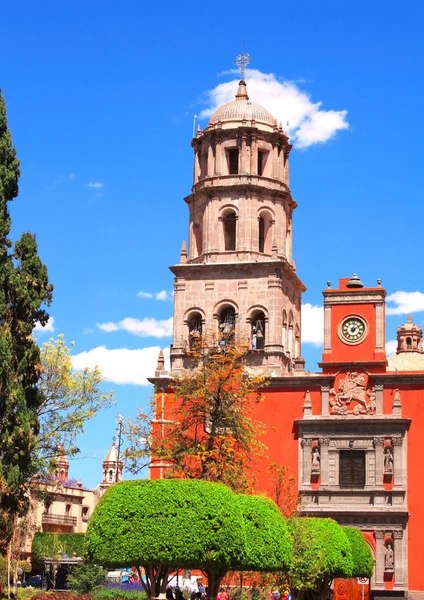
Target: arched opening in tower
[(195, 330), (258, 331), (230, 222), (227, 324)]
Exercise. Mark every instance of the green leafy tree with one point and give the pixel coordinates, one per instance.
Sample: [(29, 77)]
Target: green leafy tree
[(24, 291), (321, 552), (163, 525), (268, 542), (47, 545), (70, 399), (363, 563), (211, 432), (85, 577)]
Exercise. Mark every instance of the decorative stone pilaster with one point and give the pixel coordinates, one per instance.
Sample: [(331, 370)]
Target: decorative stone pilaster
[(379, 460), (324, 443), (397, 462), (379, 557), (399, 558), (306, 461)]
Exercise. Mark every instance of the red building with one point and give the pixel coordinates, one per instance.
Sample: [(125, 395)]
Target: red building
[(350, 433)]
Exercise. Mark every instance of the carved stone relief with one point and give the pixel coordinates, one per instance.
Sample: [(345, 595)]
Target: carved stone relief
[(388, 460), (350, 395), (316, 461)]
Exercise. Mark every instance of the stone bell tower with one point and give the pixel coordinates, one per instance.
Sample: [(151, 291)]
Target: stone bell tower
[(238, 270)]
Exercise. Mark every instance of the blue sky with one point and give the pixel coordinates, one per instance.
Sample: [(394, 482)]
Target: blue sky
[(101, 96)]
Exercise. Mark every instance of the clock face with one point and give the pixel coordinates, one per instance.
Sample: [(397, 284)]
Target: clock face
[(353, 330)]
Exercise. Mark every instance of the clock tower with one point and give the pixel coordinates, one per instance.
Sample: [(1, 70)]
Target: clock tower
[(354, 326)]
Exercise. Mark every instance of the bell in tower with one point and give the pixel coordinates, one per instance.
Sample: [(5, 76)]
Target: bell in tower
[(239, 265)]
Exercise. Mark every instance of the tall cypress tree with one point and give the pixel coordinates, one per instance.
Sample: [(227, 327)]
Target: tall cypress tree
[(24, 290)]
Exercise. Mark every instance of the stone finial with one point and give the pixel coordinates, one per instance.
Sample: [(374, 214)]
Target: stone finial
[(198, 131), (242, 91), (307, 405), (397, 405), (160, 367), (183, 253)]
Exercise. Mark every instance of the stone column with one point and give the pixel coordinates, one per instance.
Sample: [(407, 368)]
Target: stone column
[(379, 557), (287, 170), (327, 328), (379, 326), (325, 400), (324, 443), (211, 161), (397, 463), (281, 164), (399, 558), (379, 461), (243, 158), (218, 157), (275, 168)]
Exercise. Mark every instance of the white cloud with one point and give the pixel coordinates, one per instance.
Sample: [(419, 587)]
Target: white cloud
[(148, 327), (122, 365), (391, 347), (312, 324), (71, 176), (48, 327), (108, 327), (406, 302), (308, 122), (162, 295), (97, 185)]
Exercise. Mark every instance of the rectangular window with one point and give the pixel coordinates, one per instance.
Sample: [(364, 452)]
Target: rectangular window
[(233, 161), (352, 468), (261, 162)]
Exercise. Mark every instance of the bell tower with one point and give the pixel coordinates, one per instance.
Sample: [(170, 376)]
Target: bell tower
[(237, 270)]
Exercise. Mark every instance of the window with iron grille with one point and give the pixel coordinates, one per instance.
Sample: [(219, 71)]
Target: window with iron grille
[(352, 469)]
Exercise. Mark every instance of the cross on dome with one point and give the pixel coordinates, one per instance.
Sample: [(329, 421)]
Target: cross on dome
[(242, 61)]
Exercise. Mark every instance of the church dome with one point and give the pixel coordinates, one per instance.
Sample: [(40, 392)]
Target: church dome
[(242, 108)]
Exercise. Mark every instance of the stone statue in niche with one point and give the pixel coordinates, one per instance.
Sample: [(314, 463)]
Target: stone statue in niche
[(352, 397), (316, 461), (389, 562), (388, 460)]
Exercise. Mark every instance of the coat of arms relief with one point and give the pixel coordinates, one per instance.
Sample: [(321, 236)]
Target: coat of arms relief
[(352, 396)]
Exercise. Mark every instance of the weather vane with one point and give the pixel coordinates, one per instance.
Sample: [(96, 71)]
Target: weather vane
[(242, 61)]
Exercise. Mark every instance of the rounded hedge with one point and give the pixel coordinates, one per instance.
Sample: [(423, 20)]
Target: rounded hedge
[(183, 523), (321, 550), (268, 541), (363, 563)]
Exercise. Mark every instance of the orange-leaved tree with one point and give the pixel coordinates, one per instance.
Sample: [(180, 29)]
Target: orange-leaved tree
[(208, 428), (282, 489)]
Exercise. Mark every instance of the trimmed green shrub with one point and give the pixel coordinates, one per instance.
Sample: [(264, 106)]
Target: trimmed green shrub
[(165, 524), (268, 541), (321, 552), (84, 578), (47, 545), (363, 563)]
